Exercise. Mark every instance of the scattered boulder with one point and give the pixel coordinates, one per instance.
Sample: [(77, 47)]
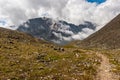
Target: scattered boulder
[(59, 49), (11, 42), (55, 49), (41, 57)]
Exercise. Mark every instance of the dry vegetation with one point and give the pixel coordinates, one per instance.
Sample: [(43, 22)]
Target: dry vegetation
[(23, 57)]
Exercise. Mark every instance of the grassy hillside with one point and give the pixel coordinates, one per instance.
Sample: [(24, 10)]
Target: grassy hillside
[(24, 57)]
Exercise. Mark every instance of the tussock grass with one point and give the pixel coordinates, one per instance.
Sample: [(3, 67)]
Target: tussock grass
[(35, 61), (23, 57)]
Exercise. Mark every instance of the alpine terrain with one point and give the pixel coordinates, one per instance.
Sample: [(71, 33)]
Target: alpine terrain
[(32, 56)]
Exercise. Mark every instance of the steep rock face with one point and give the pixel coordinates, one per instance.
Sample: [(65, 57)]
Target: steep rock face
[(107, 37), (52, 30)]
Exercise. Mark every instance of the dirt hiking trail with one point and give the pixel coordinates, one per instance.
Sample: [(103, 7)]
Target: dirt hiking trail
[(104, 69)]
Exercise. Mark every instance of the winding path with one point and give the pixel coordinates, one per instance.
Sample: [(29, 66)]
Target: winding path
[(104, 69)]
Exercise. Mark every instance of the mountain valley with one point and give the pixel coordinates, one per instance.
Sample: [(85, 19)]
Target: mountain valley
[(25, 56)]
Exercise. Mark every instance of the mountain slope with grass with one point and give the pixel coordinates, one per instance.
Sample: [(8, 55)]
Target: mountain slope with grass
[(25, 57), (107, 37)]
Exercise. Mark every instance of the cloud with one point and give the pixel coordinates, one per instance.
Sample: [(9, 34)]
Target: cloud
[(83, 34), (81, 10), (75, 11)]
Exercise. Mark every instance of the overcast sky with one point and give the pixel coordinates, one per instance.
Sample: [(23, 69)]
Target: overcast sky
[(14, 12)]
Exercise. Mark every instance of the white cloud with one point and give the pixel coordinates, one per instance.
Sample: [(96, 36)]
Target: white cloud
[(83, 34), (75, 11)]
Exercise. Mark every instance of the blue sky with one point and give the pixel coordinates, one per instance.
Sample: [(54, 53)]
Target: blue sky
[(2, 22), (97, 1)]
